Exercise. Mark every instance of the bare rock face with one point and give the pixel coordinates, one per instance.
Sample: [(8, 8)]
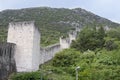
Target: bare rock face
[(7, 61)]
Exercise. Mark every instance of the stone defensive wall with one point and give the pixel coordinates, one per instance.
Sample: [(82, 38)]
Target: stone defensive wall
[(7, 61), (47, 53), (23, 53)]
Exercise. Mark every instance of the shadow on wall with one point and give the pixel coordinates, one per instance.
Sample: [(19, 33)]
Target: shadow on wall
[(49, 52), (7, 61)]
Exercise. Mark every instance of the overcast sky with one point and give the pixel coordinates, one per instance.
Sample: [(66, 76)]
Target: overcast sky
[(109, 9)]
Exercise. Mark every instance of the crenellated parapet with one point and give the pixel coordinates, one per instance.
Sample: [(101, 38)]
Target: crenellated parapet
[(20, 24), (28, 53), (64, 42), (72, 35)]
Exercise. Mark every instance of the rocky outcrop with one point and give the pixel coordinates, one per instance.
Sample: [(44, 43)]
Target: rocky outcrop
[(7, 61)]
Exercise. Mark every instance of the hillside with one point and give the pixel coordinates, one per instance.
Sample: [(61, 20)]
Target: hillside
[(53, 22), (95, 52)]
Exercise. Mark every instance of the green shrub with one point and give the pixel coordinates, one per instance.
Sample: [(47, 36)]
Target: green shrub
[(65, 58), (110, 45), (89, 38), (88, 54), (69, 70), (27, 76)]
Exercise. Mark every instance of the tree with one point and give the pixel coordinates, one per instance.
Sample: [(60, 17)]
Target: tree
[(110, 45), (114, 33), (65, 58), (100, 34), (90, 38)]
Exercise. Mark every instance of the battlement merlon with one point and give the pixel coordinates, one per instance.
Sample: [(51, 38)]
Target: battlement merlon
[(23, 23)]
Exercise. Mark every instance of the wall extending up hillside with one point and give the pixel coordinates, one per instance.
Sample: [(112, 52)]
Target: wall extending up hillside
[(47, 53), (53, 22)]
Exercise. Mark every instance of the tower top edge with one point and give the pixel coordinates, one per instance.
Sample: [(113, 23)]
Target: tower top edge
[(22, 23)]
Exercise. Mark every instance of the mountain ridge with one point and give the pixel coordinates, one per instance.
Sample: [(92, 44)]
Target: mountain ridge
[(53, 22)]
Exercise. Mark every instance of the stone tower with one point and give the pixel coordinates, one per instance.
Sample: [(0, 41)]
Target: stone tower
[(27, 39), (64, 42)]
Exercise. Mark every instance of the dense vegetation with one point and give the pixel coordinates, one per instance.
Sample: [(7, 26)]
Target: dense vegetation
[(52, 22), (90, 38), (96, 52), (99, 63)]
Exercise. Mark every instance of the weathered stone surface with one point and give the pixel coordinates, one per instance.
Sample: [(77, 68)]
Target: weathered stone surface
[(7, 61), (26, 36), (47, 53)]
